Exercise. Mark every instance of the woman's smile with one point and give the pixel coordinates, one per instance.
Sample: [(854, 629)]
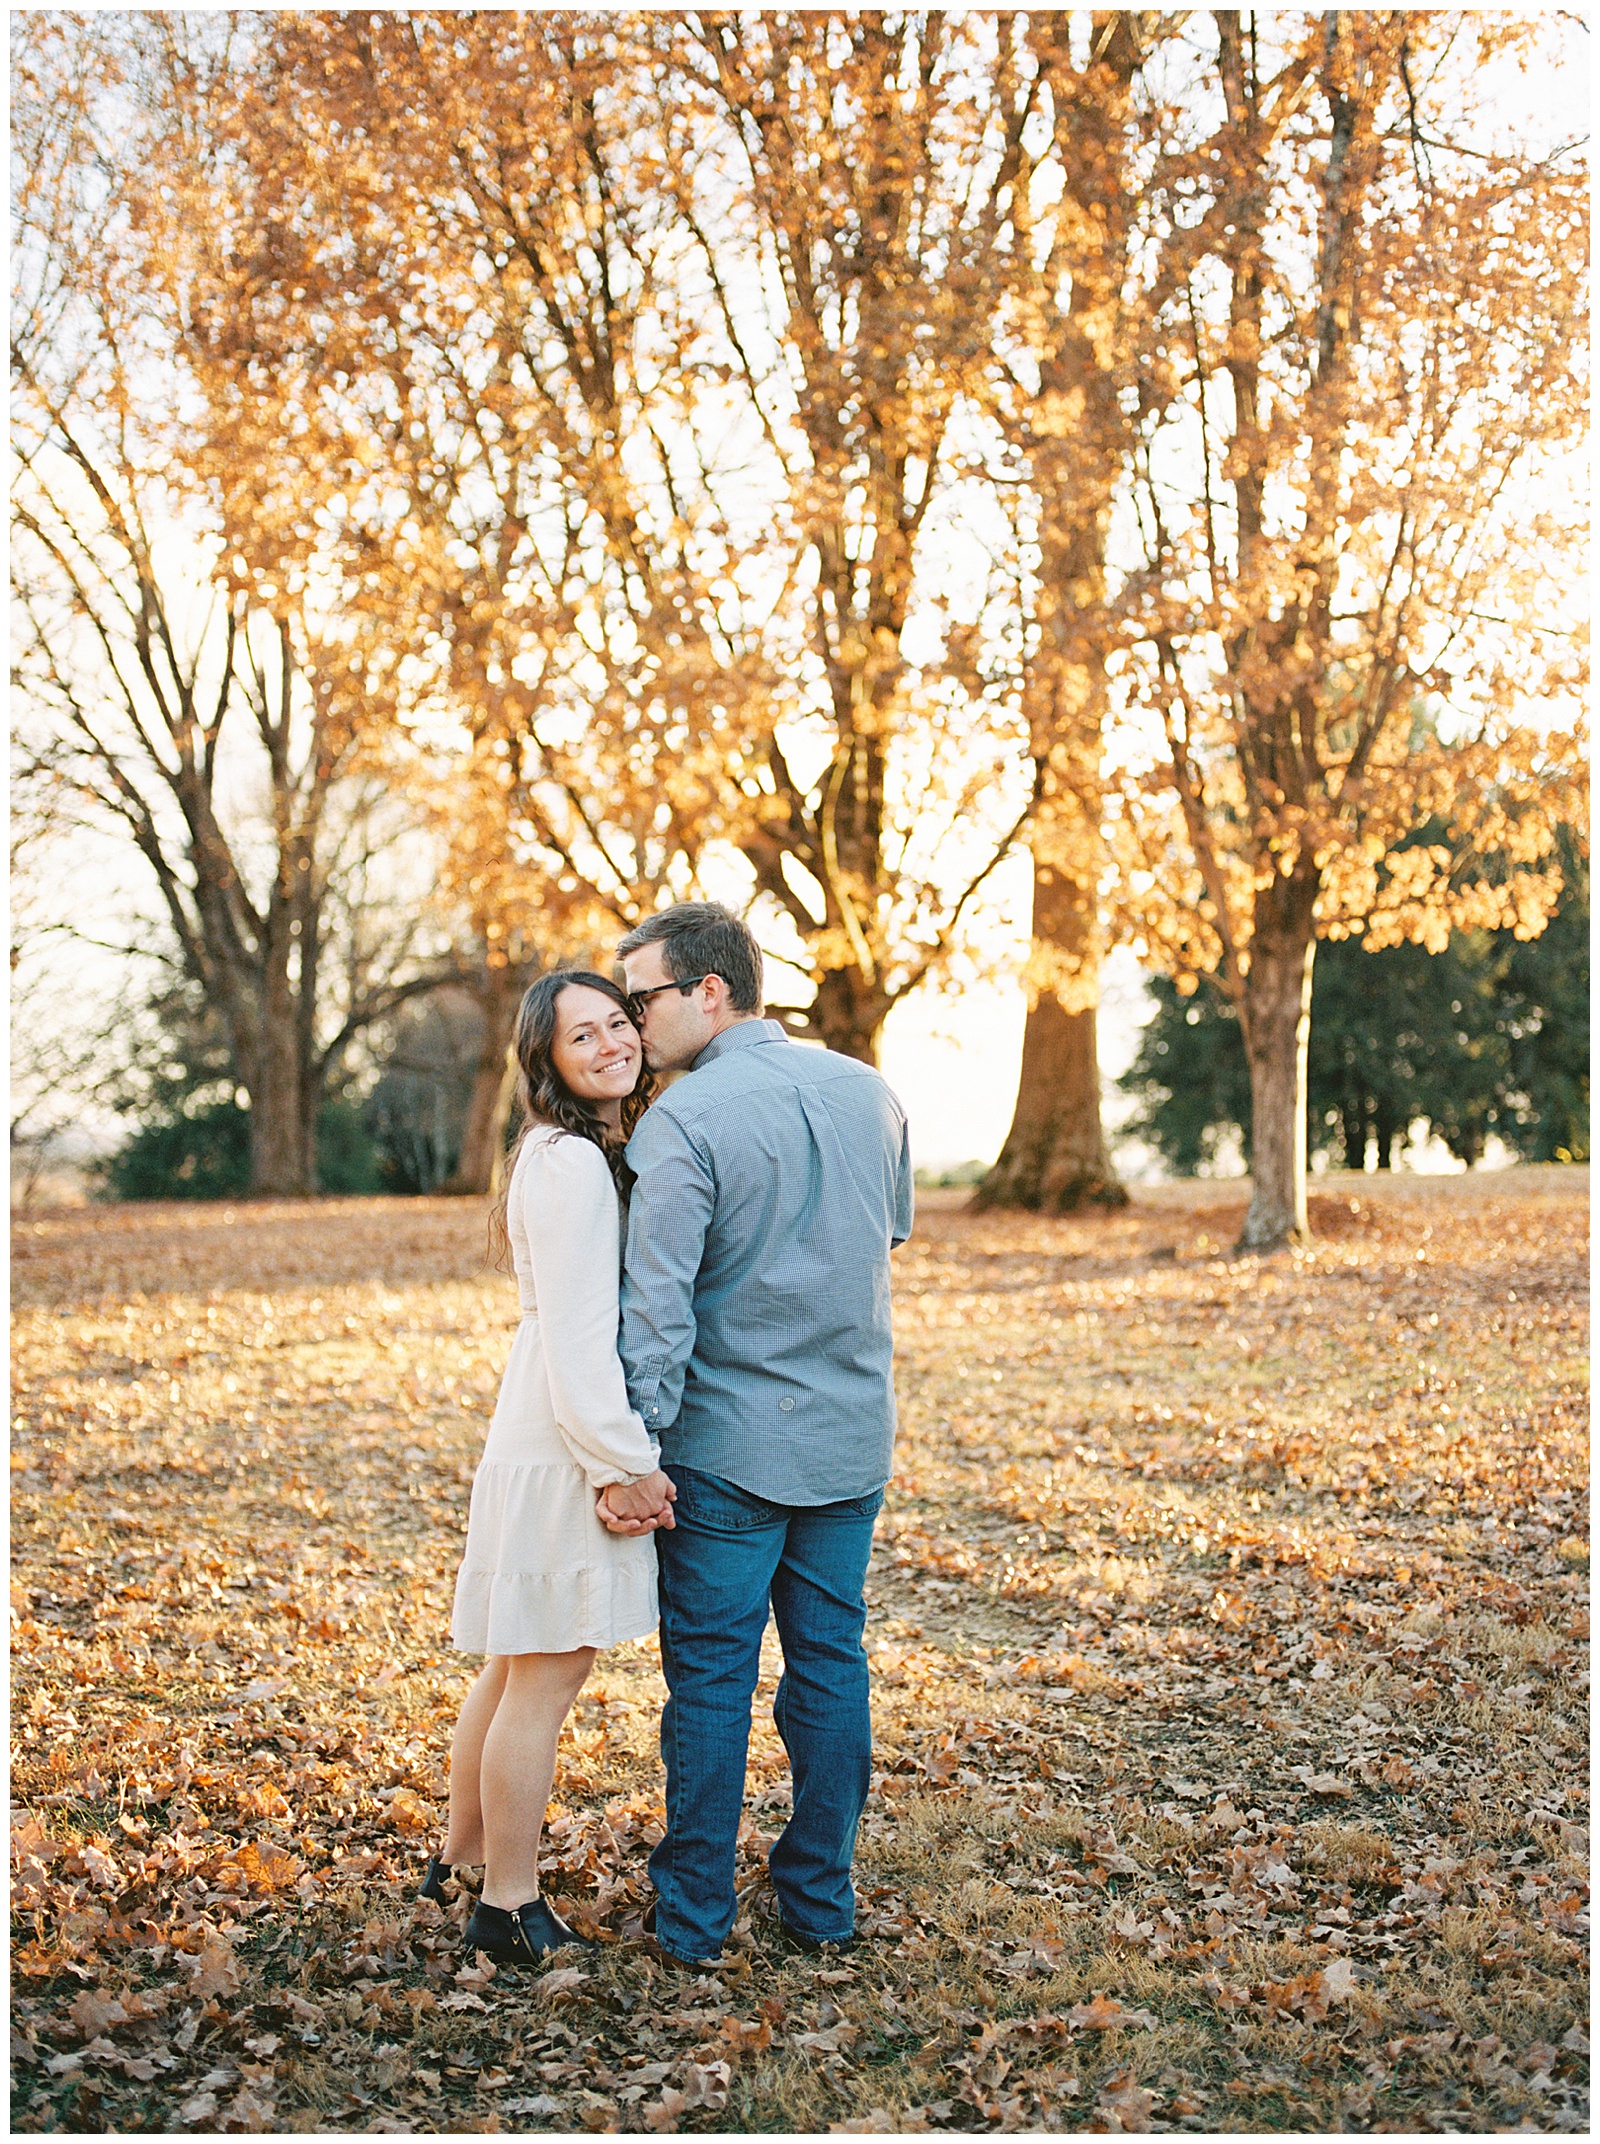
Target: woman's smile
[(596, 1047)]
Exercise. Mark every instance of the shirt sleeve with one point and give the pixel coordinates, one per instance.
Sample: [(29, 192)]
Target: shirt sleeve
[(903, 1196), (668, 1216), (569, 1208)]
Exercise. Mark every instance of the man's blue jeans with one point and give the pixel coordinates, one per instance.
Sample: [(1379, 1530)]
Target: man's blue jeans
[(729, 1557)]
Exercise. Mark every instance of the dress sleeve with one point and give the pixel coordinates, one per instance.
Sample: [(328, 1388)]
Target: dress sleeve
[(569, 1209)]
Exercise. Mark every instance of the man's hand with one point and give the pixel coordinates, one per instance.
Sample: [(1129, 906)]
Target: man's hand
[(637, 1507)]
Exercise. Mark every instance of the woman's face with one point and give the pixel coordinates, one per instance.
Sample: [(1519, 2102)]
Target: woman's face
[(596, 1049)]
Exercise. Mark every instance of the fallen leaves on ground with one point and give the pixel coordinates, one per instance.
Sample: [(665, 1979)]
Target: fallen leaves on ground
[(1229, 1625)]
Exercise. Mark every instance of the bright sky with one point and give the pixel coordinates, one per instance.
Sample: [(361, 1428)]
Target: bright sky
[(954, 1062)]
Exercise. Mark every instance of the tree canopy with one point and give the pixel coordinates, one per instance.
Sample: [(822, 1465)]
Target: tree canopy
[(481, 477)]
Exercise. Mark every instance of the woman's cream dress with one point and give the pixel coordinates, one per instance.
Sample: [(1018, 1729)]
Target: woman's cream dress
[(541, 1574)]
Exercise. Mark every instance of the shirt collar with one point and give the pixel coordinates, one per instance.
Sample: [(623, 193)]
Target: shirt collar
[(740, 1036)]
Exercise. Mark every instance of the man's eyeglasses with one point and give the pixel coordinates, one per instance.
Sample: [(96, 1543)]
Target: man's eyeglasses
[(638, 999)]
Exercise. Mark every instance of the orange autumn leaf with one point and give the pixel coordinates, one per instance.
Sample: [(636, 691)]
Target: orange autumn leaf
[(1104, 2013)]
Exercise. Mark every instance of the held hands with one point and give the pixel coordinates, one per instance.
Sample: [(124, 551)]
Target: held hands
[(637, 1507)]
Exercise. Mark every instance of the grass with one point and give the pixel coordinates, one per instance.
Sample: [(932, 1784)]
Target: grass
[(1228, 1620)]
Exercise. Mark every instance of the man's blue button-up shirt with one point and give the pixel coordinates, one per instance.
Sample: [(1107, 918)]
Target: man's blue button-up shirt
[(771, 1182)]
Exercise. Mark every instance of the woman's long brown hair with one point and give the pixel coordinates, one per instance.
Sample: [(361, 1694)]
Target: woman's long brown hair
[(545, 1097)]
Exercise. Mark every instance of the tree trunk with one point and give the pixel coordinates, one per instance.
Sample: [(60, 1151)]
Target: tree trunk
[(1276, 1016), (1055, 1158), (279, 1166), (282, 1113), (493, 1085), (305, 906), (848, 1014), (309, 1085)]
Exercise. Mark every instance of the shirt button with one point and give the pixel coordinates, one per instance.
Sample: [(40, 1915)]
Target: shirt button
[(786, 1406)]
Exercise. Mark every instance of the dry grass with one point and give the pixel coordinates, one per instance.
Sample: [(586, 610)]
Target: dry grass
[(1229, 1625)]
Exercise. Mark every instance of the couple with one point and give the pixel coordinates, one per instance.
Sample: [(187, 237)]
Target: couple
[(728, 1454)]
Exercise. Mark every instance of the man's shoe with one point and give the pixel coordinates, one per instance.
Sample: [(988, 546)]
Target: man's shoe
[(672, 1957), (802, 1941), (520, 1935)]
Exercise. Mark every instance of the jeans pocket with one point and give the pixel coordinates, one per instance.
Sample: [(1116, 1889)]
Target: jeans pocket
[(860, 1507), (707, 1500)]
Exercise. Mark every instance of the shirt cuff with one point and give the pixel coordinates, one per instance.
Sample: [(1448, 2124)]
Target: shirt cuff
[(647, 1398)]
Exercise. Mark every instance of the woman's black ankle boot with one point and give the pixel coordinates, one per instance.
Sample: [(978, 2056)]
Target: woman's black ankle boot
[(520, 1935), (433, 1883)]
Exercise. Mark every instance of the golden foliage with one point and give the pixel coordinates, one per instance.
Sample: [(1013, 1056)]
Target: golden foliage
[(804, 446), (1353, 465), (1360, 700)]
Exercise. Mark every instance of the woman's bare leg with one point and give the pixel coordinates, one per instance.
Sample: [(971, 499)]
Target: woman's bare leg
[(463, 1840), (518, 1766)]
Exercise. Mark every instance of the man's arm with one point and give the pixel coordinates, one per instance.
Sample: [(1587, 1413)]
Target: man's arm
[(668, 1216), (903, 1201)]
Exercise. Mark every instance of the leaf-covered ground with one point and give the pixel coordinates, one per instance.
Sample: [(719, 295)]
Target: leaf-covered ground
[(1229, 1624)]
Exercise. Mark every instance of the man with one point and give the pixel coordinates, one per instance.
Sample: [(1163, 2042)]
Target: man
[(771, 1184)]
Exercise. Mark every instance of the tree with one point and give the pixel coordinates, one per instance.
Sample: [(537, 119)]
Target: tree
[(1066, 364), (670, 389), (1350, 602), (841, 179), (1191, 1078), (481, 335), (180, 684), (419, 1107), (1401, 1036)]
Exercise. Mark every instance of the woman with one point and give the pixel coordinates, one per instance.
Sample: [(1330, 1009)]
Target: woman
[(543, 1584)]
